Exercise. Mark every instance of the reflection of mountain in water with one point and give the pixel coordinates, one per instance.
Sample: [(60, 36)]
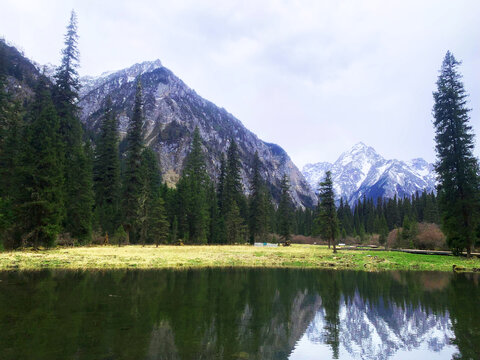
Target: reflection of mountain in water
[(237, 314), (378, 330)]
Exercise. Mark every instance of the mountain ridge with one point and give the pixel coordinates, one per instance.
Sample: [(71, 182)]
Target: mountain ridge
[(172, 111), (361, 171)]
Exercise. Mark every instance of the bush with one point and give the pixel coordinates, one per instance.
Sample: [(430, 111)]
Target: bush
[(430, 237), (64, 239), (393, 239), (426, 236)]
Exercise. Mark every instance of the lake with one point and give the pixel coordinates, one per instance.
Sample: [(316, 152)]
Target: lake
[(239, 314)]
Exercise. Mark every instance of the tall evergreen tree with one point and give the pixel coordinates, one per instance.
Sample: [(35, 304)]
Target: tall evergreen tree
[(79, 197), (11, 129), (327, 212), (193, 188), (107, 172), (152, 219), (456, 166), (158, 226), (233, 191), (285, 210), (39, 201), (257, 203), (234, 202), (132, 182)]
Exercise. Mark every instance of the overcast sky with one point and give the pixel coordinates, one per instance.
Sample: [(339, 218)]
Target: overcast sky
[(312, 76)]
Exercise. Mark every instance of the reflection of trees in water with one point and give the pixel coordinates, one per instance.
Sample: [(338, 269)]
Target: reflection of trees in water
[(233, 314)]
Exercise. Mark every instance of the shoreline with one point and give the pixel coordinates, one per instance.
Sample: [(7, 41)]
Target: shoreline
[(112, 257)]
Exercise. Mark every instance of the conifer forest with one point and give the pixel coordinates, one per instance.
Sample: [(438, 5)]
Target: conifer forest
[(62, 183)]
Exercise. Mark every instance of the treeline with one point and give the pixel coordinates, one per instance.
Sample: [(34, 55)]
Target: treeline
[(373, 217), (58, 183)]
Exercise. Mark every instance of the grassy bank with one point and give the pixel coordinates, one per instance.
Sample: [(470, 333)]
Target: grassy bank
[(149, 257)]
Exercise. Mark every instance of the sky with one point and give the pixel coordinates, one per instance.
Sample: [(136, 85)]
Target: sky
[(315, 77)]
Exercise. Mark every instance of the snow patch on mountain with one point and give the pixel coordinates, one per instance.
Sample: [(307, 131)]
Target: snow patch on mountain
[(361, 171)]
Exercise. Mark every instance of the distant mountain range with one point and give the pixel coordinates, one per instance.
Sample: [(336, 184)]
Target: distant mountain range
[(173, 110), (361, 171)]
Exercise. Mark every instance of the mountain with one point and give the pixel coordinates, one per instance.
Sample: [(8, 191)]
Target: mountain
[(361, 171), (172, 111)]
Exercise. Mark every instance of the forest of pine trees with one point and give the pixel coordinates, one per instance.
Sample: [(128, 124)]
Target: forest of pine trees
[(59, 182), (58, 185)]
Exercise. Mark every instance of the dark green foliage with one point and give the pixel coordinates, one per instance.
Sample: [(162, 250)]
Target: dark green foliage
[(327, 212), (258, 219), (193, 187), (456, 166), (409, 233), (132, 182), (77, 163), (39, 201), (233, 205), (11, 140), (158, 226), (119, 237), (215, 234), (233, 190), (285, 210), (66, 77), (107, 172), (234, 226), (152, 219), (80, 196)]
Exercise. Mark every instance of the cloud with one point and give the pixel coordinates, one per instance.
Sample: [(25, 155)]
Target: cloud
[(312, 76)]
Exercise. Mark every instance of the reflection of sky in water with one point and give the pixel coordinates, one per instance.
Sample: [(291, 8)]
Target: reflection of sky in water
[(379, 331)]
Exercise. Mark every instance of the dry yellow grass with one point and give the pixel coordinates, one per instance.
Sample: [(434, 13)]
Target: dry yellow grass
[(150, 257)]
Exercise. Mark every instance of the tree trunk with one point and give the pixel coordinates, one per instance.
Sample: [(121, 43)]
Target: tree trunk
[(329, 243), (334, 248)]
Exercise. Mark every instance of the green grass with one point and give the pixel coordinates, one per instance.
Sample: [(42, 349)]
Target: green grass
[(299, 256)]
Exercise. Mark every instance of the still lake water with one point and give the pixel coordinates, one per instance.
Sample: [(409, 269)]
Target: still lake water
[(239, 314)]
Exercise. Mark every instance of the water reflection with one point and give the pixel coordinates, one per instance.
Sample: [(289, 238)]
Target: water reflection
[(238, 314)]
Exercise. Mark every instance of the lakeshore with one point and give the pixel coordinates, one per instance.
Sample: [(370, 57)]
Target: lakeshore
[(210, 256)]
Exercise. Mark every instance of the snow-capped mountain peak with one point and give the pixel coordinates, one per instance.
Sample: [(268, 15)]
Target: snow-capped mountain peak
[(361, 171)]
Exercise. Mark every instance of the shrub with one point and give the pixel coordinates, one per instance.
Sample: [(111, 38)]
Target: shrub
[(393, 238), (64, 239), (430, 237), (426, 236)]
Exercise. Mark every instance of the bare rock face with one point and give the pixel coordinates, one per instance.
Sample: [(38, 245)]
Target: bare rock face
[(172, 112)]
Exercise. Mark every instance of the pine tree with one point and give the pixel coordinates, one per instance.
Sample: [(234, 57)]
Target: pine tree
[(193, 187), (327, 212), (285, 210), (221, 184), (11, 129), (234, 202), (456, 166), (132, 183), (233, 191), (235, 228), (214, 229), (77, 167), (107, 172), (150, 204), (39, 200), (257, 204), (157, 222)]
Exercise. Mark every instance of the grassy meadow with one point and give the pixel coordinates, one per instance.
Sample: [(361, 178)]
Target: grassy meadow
[(151, 257)]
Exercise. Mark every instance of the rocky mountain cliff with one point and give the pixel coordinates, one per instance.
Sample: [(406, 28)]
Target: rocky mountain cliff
[(172, 111), (361, 171)]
